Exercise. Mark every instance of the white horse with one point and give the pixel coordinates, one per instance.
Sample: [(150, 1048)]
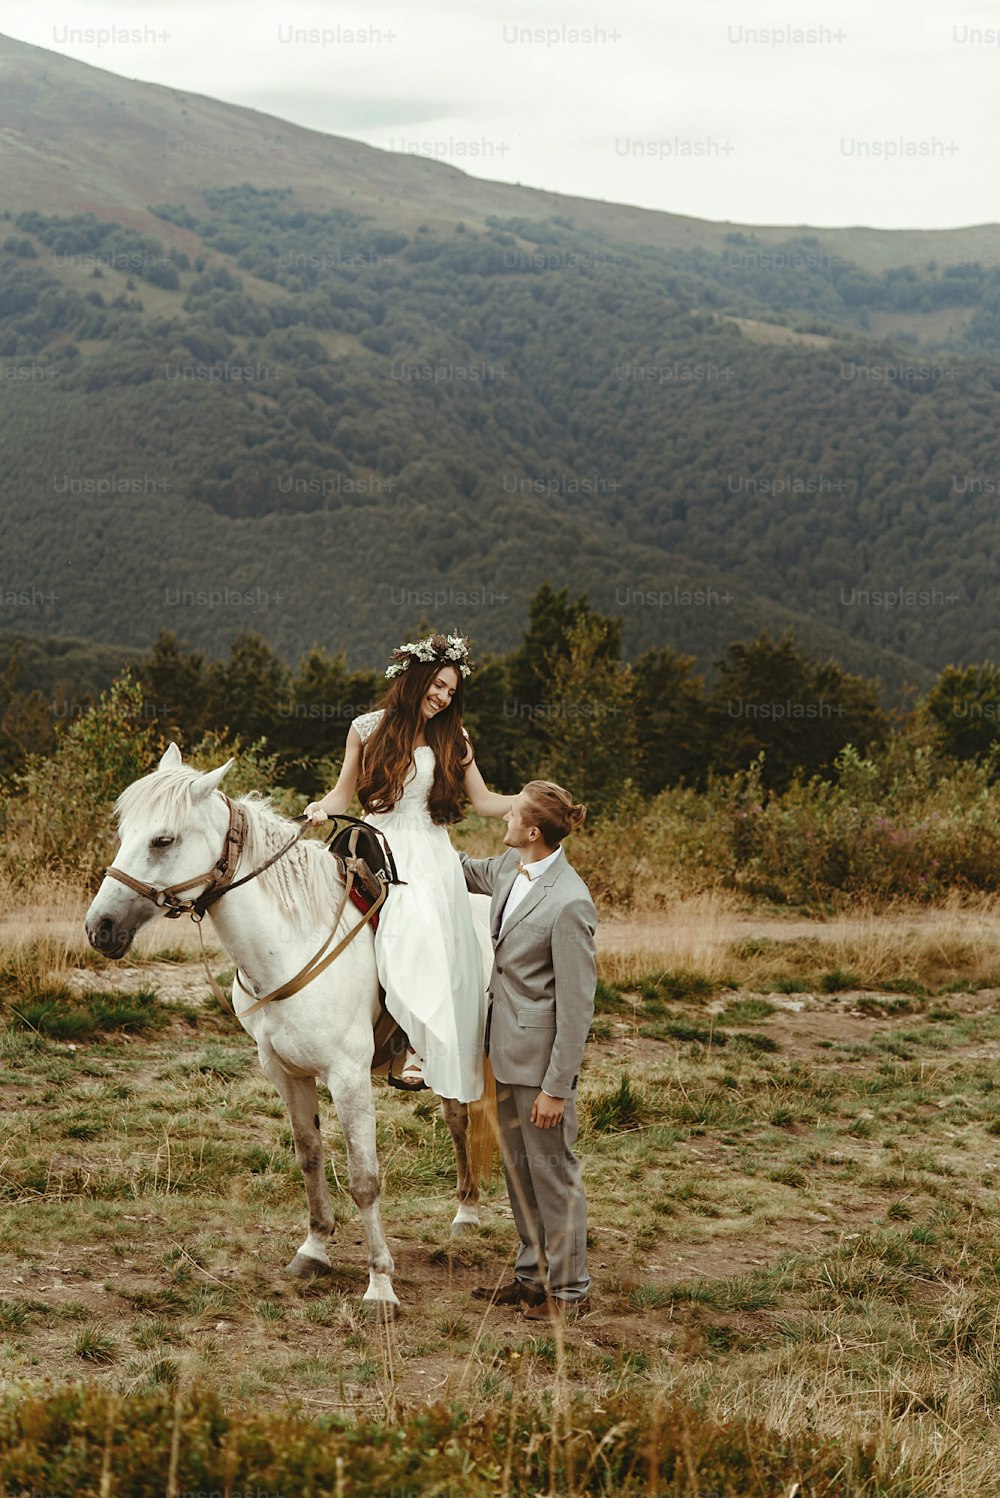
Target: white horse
[(172, 825)]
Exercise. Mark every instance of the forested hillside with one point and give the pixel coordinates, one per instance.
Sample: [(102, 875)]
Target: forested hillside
[(322, 426)]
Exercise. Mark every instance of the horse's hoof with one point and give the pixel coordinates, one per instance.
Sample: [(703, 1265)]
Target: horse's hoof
[(466, 1219), (381, 1310), (303, 1267)]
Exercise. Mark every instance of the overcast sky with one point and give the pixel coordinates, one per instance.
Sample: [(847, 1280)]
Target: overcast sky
[(883, 113)]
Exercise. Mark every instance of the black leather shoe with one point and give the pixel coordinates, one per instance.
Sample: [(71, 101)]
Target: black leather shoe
[(517, 1293)]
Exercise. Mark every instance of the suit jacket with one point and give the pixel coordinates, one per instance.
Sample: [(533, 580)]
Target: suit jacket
[(541, 991)]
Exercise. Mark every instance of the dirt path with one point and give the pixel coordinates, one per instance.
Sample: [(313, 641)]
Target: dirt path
[(715, 922)]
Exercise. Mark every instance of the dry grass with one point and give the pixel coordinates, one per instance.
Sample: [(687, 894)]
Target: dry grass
[(717, 936), (41, 928), (693, 934)]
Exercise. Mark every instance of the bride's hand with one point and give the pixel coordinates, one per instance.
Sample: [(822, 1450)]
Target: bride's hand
[(315, 813)]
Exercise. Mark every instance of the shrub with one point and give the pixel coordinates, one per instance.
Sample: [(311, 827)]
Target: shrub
[(60, 813), (912, 824), (56, 1440)]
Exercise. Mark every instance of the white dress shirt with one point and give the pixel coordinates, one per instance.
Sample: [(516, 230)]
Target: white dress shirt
[(521, 885)]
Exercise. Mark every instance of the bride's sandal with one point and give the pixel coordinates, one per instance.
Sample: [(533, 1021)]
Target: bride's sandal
[(412, 1074), (411, 1078)]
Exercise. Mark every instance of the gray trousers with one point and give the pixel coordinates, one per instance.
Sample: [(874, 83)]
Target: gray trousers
[(545, 1186)]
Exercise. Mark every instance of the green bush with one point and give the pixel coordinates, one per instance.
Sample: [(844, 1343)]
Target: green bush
[(911, 824), (59, 815), (254, 769)]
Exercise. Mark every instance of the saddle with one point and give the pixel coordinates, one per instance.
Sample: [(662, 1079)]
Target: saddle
[(358, 846)]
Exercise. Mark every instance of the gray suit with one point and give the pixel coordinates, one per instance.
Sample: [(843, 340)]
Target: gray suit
[(541, 1003)]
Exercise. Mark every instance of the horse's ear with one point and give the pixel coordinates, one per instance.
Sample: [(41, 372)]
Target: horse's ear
[(171, 757), (207, 783)]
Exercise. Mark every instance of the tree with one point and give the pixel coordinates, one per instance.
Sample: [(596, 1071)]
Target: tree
[(964, 704), (533, 666), (61, 816), (670, 721), (25, 719), (771, 697), (590, 748), (311, 721), (492, 726), (174, 683), (246, 692)]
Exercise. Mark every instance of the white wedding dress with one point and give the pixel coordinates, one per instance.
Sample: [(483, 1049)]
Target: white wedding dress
[(428, 955)]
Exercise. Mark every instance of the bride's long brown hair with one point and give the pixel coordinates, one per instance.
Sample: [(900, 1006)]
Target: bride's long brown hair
[(388, 754)]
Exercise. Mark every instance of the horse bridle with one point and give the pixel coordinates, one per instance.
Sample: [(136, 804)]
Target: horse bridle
[(219, 877), (220, 882)]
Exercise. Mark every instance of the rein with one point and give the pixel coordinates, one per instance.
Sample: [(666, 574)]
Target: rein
[(315, 966), (220, 882)]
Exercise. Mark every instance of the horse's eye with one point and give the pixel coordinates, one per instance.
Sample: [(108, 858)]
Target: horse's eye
[(162, 842)]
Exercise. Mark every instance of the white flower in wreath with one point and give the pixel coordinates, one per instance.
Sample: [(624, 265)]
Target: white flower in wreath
[(456, 650)]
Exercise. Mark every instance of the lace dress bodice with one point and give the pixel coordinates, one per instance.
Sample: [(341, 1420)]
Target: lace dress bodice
[(411, 809)]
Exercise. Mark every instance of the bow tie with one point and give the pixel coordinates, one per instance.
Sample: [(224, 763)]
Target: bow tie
[(522, 868)]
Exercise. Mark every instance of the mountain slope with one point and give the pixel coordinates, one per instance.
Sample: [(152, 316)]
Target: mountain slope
[(64, 127), (360, 389)]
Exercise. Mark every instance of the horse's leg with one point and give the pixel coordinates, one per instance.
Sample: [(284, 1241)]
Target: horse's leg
[(456, 1116), (355, 1106), (299, 1094)]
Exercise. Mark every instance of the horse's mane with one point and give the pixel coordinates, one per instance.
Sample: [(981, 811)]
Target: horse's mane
[(305, 882)]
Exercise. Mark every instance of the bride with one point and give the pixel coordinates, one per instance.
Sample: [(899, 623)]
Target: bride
[(412, 763)]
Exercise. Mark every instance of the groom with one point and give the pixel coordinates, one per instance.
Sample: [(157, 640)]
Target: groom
[(541, 1002)]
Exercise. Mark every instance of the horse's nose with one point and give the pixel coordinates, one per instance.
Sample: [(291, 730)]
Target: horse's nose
[(102, 934)]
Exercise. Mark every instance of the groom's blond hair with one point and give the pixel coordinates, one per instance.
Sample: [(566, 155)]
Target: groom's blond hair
[(553, 810)]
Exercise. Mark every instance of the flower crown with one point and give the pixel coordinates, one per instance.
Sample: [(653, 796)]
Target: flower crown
[(451, 650)]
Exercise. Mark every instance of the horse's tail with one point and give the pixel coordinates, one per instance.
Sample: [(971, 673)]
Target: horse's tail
[(484, 1129)]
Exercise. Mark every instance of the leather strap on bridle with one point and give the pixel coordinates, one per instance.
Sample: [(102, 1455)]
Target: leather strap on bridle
[(220, 882), (219, 877)]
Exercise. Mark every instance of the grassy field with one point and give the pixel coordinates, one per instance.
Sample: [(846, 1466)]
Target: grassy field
[(791, 1141)]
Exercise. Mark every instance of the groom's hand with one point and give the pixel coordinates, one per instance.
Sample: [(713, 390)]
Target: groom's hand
[(547, 1112)]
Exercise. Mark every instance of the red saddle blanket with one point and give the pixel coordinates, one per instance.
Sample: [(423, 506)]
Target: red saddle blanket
[(364, 904)]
